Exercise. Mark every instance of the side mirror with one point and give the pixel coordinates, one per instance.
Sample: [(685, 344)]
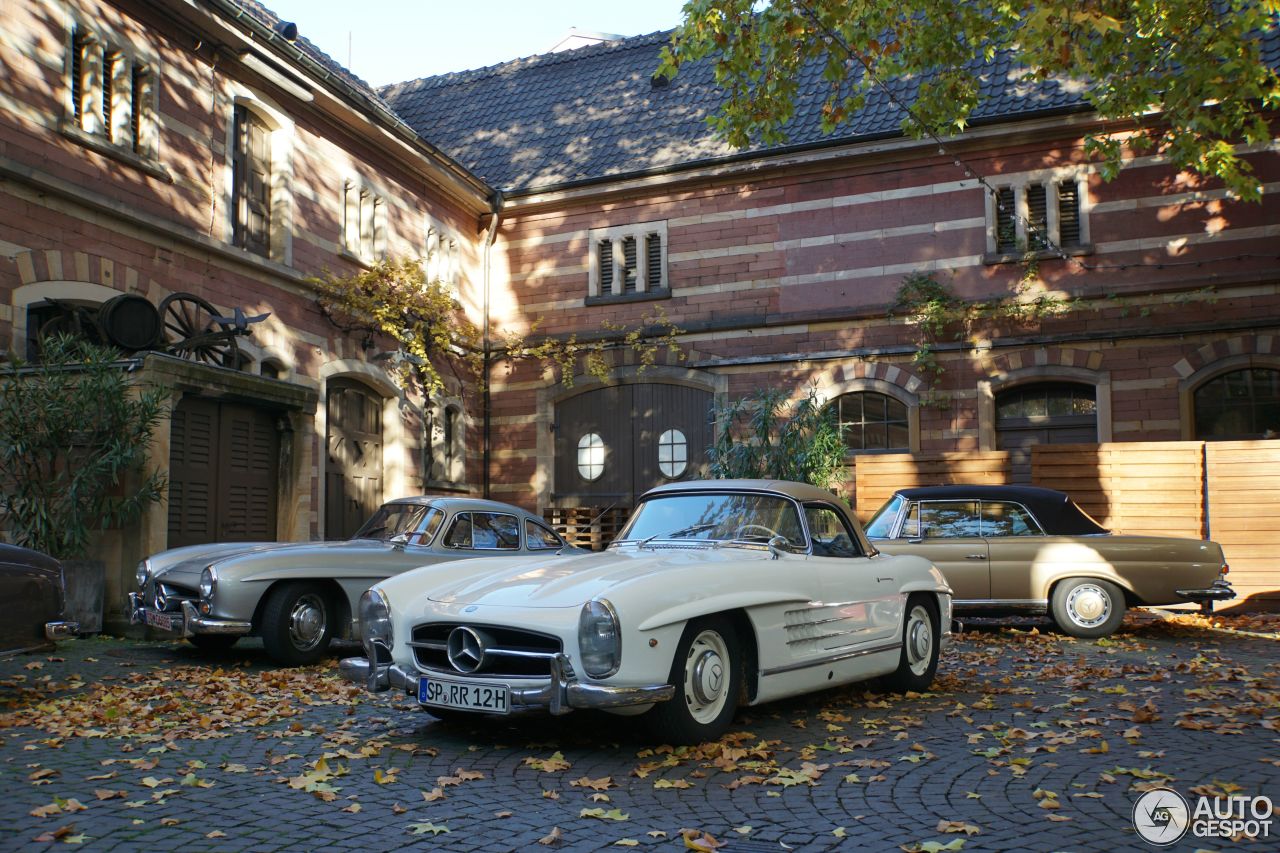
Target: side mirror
[(399, 541), (778, 546)]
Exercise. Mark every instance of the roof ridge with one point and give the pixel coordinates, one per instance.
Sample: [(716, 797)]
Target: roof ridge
[(523, 63)]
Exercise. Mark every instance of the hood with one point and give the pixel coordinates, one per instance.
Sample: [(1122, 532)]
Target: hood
[(567, 581), (182, 566)]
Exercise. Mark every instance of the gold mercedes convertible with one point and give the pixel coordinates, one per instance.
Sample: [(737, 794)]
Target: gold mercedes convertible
[(1023, 549)]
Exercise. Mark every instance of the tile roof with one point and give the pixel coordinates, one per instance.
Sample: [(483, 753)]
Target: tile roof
[(593, 113)]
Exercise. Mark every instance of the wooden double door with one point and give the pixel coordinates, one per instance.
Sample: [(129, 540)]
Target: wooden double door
[(353, 473), (224, 472), (614, 443)]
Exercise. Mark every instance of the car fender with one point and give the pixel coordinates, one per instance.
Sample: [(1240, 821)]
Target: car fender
[(734, 600)]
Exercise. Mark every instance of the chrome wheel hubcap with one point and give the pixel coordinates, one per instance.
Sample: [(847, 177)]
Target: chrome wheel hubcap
[(706, 676), (919, 641), (1088, 605), (307, 622)]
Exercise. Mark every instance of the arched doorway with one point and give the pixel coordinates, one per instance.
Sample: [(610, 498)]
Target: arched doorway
[(613, 443), (353, 459), (1043, 413)]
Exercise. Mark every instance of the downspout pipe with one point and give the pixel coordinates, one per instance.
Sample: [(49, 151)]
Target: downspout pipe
[(495, 208)]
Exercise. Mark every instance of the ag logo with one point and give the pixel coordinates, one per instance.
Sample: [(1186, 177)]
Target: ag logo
[(1161, 816)]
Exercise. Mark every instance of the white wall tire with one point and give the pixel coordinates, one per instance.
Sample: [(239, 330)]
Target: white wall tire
[(707, 674), (1088, 608), (918, 660)]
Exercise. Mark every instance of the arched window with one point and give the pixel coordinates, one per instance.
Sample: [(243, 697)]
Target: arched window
[(1241, 404), (872, 422), (1044, 413)]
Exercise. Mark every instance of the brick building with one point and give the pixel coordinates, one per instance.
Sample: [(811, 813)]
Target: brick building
[(204, 148)]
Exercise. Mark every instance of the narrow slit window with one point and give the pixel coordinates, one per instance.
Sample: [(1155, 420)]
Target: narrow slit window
[(1006, 224), (629, 281), (1037, 217), (1069, 214), (606, 266)]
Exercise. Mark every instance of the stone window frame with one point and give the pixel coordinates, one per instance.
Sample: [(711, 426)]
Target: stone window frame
[(442, 256), (898, 395), (1188, 386), (646, 288), (990, 388), (364, 220), (126, 129), (445, 447), (1017, 186), (281, 126)]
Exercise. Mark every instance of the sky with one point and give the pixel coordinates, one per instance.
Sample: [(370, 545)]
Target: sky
[(388, 41)]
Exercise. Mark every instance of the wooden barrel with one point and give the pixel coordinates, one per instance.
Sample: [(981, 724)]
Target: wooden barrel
[(130, 322)]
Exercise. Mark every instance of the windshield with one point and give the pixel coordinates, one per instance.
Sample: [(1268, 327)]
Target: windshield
[(393, 519), (715, 518), (881, 524)]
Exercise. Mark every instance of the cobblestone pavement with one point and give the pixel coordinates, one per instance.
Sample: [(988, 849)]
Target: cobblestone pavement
[(1032, 741)]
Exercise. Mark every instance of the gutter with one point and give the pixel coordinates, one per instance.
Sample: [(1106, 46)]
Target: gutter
[(495, 206)]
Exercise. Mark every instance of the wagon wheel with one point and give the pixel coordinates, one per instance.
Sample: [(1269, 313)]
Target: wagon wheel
[(191, 331)]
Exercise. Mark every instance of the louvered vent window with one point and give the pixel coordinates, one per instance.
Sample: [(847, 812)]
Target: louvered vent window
[(1069, 214), (605, 255), (653, 260), (79, 44), (1037, 217), (109, 62), (629, 265), (1006, 225), (628, 262), (112, 93)]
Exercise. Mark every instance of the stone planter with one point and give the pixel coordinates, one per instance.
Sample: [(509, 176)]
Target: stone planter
[(85, 581)]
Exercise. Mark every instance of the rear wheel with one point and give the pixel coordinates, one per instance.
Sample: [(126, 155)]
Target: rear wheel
[(297, 622), (707, 674), (1088, 608), (214, 642), (919, 659)]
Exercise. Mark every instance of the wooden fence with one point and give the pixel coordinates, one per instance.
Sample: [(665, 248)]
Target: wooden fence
[(1225, 491), (877, 477)]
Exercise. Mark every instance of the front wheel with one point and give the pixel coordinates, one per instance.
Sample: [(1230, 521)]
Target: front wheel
[(297, 622), (1088, 608), (707, 674), (919, 659)]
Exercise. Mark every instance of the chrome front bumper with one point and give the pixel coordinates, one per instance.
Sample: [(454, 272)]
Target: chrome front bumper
[(188, 623), (60, 630), (558, 694)]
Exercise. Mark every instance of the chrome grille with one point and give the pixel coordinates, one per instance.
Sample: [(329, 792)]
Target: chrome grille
[(511, 652)]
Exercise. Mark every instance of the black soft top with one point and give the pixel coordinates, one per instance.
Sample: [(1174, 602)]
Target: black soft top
[(1055, 510)]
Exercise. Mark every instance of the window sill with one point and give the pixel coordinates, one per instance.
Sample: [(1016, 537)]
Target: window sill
[(444, 486), (348, 255), (992, 258), (96, 143), (614, 298)]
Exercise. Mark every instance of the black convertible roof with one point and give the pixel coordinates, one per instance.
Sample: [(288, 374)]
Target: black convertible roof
[(1055, 510)]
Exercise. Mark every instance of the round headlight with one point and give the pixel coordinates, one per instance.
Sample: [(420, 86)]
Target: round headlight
[(144, 573), (375, 618), (208, 582), (599, 640)]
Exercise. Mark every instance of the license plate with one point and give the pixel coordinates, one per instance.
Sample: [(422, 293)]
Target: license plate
[(467, 695), (157, 619)]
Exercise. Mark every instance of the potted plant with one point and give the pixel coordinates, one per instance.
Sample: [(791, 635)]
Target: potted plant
[(74, 435)]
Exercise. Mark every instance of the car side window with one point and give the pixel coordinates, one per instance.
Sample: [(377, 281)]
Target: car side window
[(539, 538), (490, 530), (949, 519), (459, 535), (1007, 519), (831, 536)]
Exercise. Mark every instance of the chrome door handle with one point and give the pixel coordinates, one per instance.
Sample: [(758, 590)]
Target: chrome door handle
[(975, 556), (882, 580)]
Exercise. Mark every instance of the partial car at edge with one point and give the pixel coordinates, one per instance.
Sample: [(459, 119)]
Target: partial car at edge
[(1025, 549), (717, 594), (299, 595), (32, 601)]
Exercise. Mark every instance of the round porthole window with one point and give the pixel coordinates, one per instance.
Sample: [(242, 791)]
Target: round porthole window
[(590, 456), (673, 453)]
